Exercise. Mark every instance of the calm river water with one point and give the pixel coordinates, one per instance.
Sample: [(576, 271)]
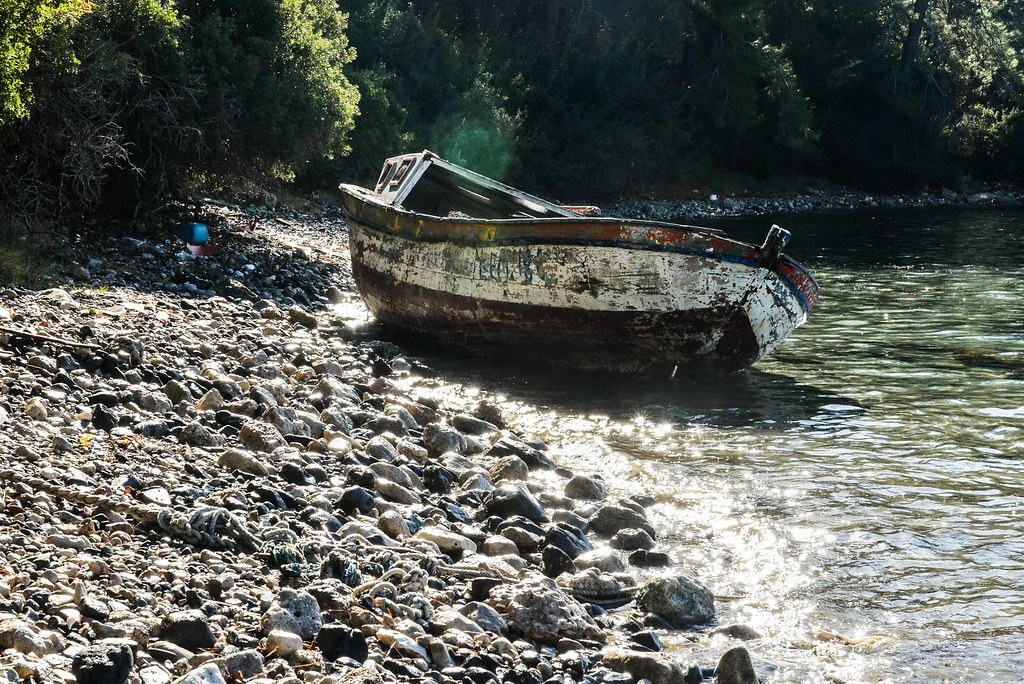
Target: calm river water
[(866, 479)]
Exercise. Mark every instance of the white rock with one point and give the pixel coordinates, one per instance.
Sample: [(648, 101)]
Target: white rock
[(283, 644), (405, 645), (446, 540)]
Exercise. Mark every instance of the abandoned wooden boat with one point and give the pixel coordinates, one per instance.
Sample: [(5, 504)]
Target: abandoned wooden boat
[(441, 251)]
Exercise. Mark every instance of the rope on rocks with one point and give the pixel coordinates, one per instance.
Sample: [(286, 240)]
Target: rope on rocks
[(207, 526)]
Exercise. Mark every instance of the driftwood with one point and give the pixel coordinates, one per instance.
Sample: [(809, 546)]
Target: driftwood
[(48, 338)]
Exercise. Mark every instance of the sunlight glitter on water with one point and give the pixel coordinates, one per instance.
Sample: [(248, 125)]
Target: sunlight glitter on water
[(864, 480)]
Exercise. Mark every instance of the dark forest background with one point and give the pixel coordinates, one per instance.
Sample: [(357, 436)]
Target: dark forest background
[(110, 107)]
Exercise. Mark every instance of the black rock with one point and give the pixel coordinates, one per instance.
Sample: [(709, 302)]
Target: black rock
[(569, 539), (356, 499), (103, 418), (642, 558), (295, 474), (555, 561), (103, 663), (94, 609), (479, 675), (524, 675), (454, 512), (188, 629), (340, 641), (510, 446), (320, 519), (480, 587), (498, 524), (509, 500), (228, 418), (647, 640), (631, 539), (151, 428), (361, 476), (437, 478), (693, 675)]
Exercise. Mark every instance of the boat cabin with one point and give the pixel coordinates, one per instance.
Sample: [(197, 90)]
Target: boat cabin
[(426, 184)]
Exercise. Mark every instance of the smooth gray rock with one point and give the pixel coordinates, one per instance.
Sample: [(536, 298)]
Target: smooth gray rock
[(611, 518), (582, 487)]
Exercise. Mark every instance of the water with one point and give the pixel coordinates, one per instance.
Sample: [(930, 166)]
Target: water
[(865, 480)]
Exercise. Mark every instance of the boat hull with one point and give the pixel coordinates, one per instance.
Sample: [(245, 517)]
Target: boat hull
[(589, 293)]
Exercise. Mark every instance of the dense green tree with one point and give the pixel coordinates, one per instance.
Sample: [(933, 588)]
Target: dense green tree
[(124, 101), (274, 95)]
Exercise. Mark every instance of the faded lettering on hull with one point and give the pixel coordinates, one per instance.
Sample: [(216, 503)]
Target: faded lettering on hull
[(519, 264)]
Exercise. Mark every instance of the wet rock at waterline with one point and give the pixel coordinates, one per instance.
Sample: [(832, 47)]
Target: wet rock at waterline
[(681, 600)]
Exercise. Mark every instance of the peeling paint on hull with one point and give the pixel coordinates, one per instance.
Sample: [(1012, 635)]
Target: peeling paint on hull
[(589, 293)]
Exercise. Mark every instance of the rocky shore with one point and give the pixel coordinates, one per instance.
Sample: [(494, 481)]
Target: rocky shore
[(210, 475), (713, 205)]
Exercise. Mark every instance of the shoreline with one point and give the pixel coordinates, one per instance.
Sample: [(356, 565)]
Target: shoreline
[(214, 475), (715, 206)]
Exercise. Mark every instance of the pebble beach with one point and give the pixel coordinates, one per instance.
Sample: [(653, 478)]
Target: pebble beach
[(210, 473), (213, 471)]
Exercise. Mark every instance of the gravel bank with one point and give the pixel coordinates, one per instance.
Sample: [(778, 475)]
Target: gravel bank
[(208, 474), (712, 206)]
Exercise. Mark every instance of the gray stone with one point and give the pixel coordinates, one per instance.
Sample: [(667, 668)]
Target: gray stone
[(259, 436), (440, 438), (447, 540), (640, 665), (300, 316), (536, 607), (681, 601), (283, 644), (237, 459), (364, 675), (293, 611), (241, 664), (611, 518), (735, 667), (485, 616), (581, 487), (204, 674), (198, 434), (509, 468), (21, 636), (177, 392)]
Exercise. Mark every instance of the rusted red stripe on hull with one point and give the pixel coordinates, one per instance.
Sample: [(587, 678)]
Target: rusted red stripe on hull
[(718, 339)]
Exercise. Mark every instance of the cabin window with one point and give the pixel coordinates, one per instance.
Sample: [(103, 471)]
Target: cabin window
[(402, 170), (389, 166)]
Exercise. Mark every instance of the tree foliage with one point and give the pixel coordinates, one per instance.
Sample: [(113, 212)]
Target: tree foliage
[(116, 104), (112, 104), (657, 94)]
